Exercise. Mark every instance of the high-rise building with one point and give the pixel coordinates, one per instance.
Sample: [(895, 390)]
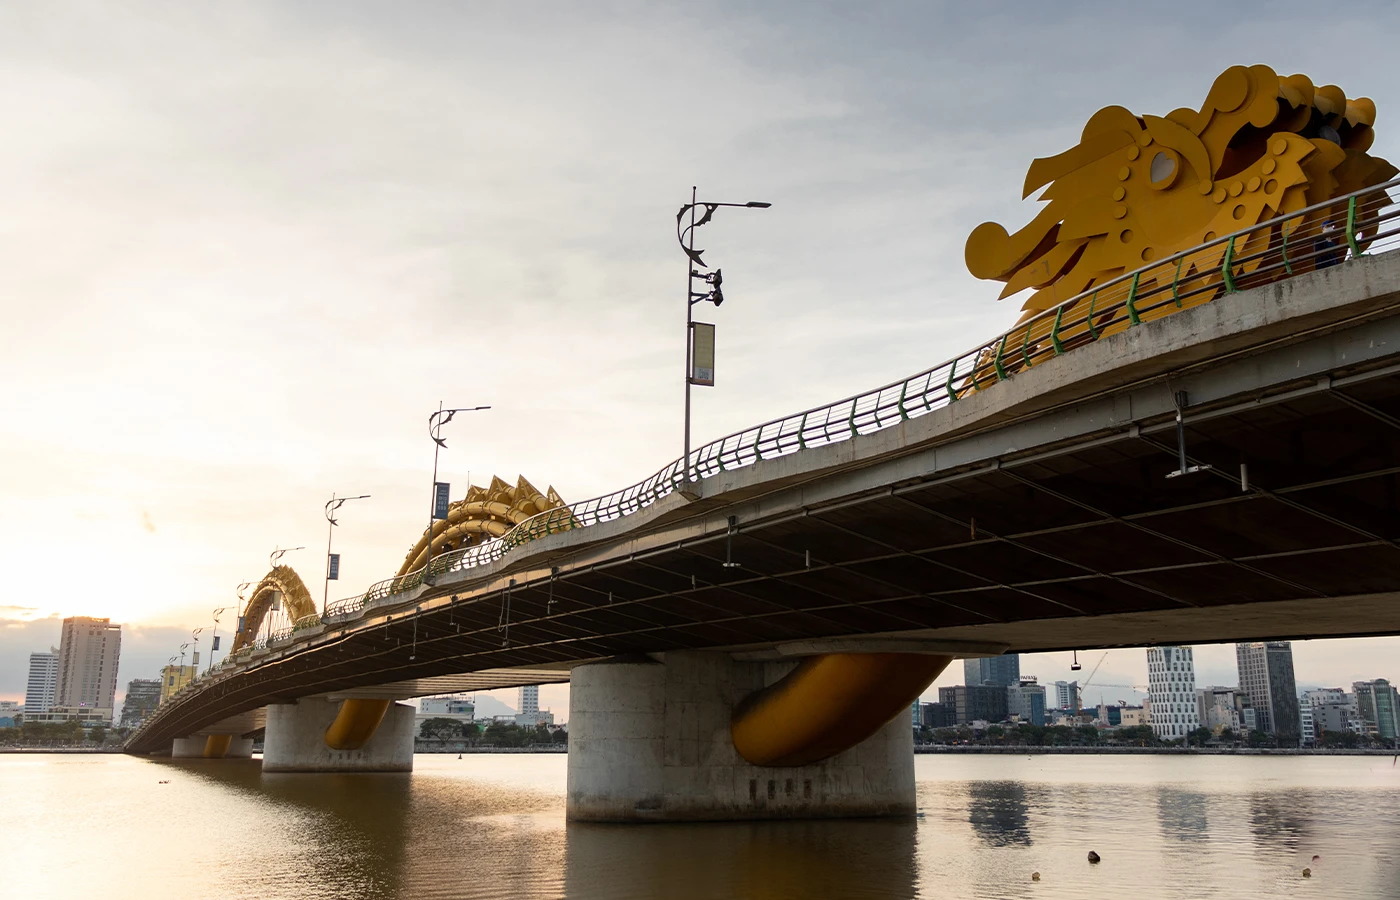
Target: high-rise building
[(974, 703), (1000, 670), (1171, 690), (1266, 676), (1216, 709), (142, 698), (1026, 700), (529, 699), (40, 693), (87, 663), (1379, 708), (1067, 696)]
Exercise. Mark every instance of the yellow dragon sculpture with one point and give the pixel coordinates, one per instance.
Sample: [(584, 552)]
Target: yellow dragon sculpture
[(1141, 188)]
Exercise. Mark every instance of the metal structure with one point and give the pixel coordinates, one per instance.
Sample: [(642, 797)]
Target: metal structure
[(282, 585), (1136, 190), (714, 292), (332, 505)]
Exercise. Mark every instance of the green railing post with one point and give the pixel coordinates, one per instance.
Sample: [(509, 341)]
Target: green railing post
[(996, 360), (1225, 267), (1026, 347), (1055, 330), (1093, 332), (952, 372), (1132, 301), (1176, 278), (802, 433), (1351, 228), (903, 389), (1287, 266)]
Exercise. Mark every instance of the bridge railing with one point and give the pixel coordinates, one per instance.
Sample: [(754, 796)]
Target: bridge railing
[(1316, 237)]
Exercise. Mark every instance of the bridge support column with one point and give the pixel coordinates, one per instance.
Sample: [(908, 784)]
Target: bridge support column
[(212, 746), (650, 741), (297, 739)]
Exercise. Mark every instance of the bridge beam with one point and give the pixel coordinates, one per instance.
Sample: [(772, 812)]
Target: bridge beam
[(300, 735), (650, 741)]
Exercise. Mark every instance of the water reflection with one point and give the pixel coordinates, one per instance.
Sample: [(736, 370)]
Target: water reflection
[(999, 813), (1280, 821), (1181, 814), (493, 826), (760, 860), (339, 829)]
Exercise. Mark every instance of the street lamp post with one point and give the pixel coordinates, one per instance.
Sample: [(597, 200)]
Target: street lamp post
[(332, 505), (435, 423), (714, 294), (194, 635), (214, 638)]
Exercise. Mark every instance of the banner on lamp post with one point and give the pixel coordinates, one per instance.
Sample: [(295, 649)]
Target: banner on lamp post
[(441, 490), (702, 354), (334, 573)]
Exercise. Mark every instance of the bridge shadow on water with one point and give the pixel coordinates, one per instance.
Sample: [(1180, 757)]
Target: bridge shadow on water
[(760, 860)]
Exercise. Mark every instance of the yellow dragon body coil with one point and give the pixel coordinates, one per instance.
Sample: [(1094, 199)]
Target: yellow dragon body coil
[(482, 514), (1137, 189)]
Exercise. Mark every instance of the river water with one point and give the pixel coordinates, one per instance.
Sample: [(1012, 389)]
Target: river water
[(115, 827)]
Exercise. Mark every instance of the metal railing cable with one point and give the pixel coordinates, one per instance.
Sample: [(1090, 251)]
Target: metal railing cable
[(1317, 237)]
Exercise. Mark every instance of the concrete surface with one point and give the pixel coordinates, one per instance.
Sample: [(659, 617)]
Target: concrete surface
[(649, 741), (296, 740)]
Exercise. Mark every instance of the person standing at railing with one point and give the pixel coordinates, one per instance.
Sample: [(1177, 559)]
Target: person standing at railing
[(1327, 249)]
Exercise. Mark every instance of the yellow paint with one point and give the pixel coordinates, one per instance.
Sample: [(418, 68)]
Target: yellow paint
[(216, 745), (355, 723), (296, 599), (829, 704), (482, 514), (1140, 189)]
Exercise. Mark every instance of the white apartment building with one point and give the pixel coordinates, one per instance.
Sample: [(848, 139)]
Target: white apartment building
[(1171, 691), (42, 688)]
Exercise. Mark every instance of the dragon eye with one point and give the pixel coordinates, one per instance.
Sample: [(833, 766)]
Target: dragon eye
[(1163, 167)]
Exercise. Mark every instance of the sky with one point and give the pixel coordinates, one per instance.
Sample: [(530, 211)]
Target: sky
[(245, 249)]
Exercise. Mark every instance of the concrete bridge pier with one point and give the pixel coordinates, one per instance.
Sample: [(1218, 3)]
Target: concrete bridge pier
[(317, 734), (212, 746), (650, 741)]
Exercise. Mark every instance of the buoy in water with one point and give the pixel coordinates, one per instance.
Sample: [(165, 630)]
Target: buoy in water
[(1035, 876), (1093, 857), (1307, 873)]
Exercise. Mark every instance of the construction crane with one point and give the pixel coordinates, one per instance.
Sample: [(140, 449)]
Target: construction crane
[(1092, 672)]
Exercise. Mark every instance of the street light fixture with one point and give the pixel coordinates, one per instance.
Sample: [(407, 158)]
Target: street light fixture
[(713, 281), (277, 555), (214, 638), (332, 562), (439, 499)]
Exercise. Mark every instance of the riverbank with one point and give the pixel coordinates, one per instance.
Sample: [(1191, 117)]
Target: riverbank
[(1156, 751), (79, 750)]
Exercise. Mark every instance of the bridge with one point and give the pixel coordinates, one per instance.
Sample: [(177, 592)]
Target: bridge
[(1201, 449)]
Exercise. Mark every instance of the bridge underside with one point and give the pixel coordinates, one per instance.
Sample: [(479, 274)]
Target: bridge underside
[(1036, 532)]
